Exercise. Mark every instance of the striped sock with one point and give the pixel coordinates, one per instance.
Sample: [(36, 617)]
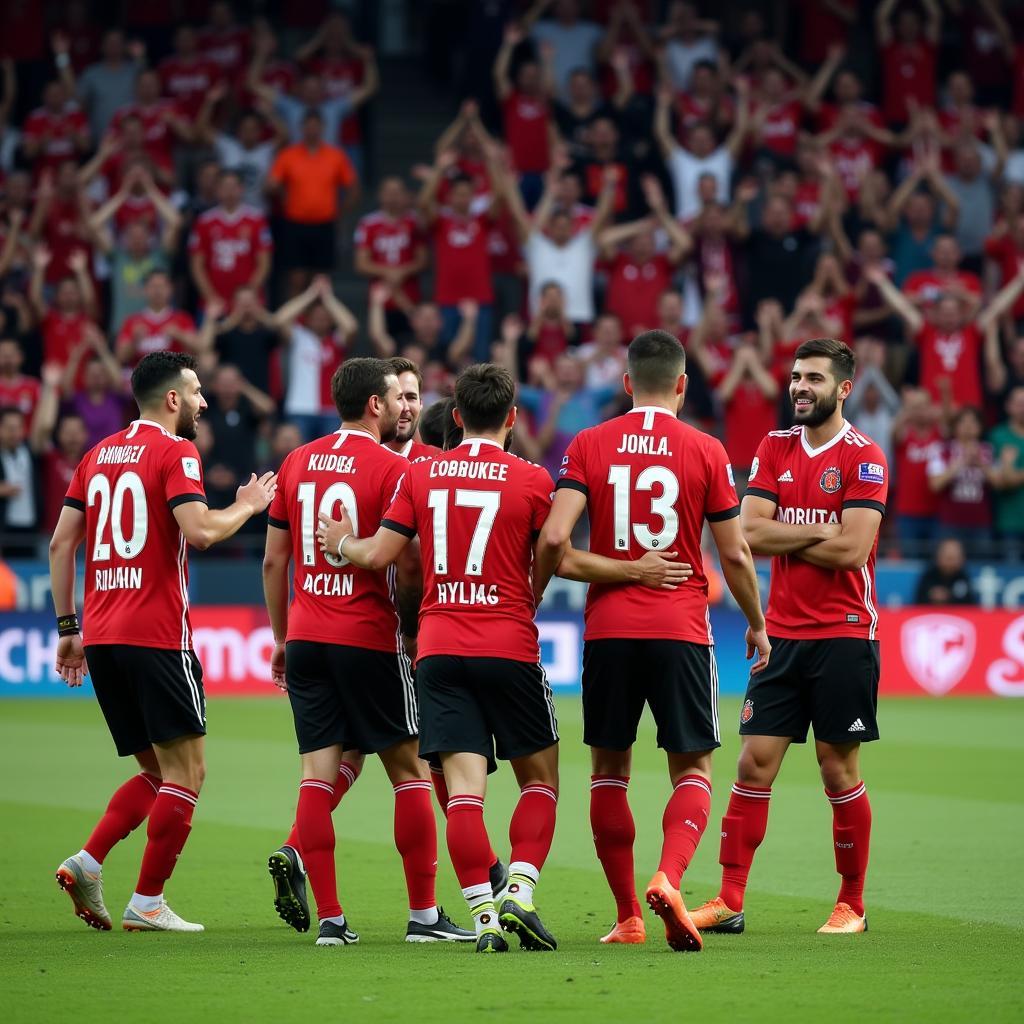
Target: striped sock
[(531, 830), (743, 829), (851, 834), (170, 821), (347, 775), (683, 823)]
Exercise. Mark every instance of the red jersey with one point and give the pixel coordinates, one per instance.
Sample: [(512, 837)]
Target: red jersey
[(417, 451), (65, 231), (651, 481), (913, 453), (227, 49), (136, 569), (927, 286), (335, 602), (634, 290), (526, 121), (908, 72), (749, 415), (815, 485), (58, 134), (462, 260), (230, 244), (137, 208), (61, 333), (392, 242), (806, 202), (20, 392), (341, 76), (780, 128), (955, 357), (147, 332), (854, 159), (692, 109), (187, 82), (477, 511), (157, 134)]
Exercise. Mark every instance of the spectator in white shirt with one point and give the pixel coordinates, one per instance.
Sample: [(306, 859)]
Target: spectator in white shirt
[(688, 41), (572, 39)]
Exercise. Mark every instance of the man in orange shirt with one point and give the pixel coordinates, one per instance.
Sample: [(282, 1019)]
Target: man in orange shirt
[(308, 176)]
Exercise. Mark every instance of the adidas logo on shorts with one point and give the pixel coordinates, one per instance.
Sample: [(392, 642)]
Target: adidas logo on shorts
[(858, 726)]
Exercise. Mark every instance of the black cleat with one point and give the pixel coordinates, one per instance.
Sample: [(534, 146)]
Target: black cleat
[(285, 867), (332, 934), (498, 878), (491, 942), (443, 930), (523, 919)]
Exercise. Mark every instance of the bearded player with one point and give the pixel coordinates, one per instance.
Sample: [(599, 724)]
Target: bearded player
[(137, 500), (814, 502)]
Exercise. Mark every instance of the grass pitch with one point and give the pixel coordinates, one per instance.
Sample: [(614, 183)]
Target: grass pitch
[(944, 889)]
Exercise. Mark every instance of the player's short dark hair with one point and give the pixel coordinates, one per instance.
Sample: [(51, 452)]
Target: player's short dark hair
[(157, 373), (11, 410), (156, 272), (400, 365), (460, 179), (434, 422), (356, 381), (230, 172), (484, 396), (655, 359), (844, 362)]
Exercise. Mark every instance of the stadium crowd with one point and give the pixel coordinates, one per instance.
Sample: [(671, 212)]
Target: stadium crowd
[(855, 171)]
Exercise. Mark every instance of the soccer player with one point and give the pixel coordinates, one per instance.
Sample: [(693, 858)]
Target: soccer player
[(338, 650), (405, 441), (815, 500), (477, 511), (137, 501), (649, 482)]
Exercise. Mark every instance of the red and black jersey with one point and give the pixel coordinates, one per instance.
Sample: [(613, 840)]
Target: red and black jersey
[(136, 568), (651, 481), (815, 485)]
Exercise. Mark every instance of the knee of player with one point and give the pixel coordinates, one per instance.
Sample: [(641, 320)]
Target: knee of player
[(838, 772), (755, 769)]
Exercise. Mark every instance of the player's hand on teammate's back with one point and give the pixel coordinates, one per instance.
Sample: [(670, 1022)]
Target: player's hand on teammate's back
[(71, 665), (257, 493), (331, 532), (277, 676), (657, 570), (757, 642)]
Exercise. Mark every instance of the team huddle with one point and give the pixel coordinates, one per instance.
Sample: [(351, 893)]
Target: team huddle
[(402, 580)]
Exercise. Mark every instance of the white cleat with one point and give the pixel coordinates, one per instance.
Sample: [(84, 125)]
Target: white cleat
[(163, 919), (86, 892)]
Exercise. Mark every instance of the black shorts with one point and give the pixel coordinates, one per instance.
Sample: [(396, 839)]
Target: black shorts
[(360, 699), (679, 680), (830, 684), (147, 694), (308, 246), (486, 706)]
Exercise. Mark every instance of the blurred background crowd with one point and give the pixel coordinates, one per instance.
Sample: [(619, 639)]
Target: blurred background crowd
[(277, 186)]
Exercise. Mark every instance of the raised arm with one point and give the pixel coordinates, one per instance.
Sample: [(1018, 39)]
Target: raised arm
[(883, 22), (284, 317), (1003, 301), (426, 201), (932, 21), (462, 343), (383, 344), (895, 299), (737, 137), (992, 356), (204, 129), (45, 417), (342, 316), (370, 84), (680, 240), (203, 526), (513, 36), (819, 83), (605, 208), (663, 122)]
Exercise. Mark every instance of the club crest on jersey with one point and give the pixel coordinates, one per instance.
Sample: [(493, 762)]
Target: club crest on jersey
[(831, 480), (190, 467), (747, 713), (871, 472)]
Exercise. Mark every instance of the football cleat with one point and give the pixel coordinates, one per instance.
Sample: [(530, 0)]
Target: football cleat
[(667, 902), (491, 941), (86, 892), (443, 930), (523, 919), (715, 916), (289, 876), (498, 878), (332, 934), (844, 921), (630, 932), (163, 919)]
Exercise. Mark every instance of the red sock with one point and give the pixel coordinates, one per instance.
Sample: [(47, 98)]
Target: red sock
[(170, 821), (533, 825), (614, 833), (684, 820), (441, 793), (851, 833), (468, 845), (347, 775), (416, 839), (743, 828), (128, 809), (316, 836)]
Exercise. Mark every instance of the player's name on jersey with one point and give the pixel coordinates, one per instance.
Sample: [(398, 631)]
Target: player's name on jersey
[(121, 577), (120, 455), (326, 462), (329, 584), (639, 444), (467, 593), (470, 470), (805, 516)]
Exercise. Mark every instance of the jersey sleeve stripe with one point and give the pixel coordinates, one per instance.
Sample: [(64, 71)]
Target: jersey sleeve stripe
[(878, 506), (281, 524), (574, 484), (760, 492), (405, 531), (726, 513), (75, 503), (182, 499)]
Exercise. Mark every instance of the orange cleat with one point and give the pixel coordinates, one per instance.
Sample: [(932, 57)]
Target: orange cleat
[(665, 900), (715, 916), (844, 922), (631, 932)]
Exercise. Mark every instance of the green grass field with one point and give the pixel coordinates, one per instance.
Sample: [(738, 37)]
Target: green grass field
[(944, 890)]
